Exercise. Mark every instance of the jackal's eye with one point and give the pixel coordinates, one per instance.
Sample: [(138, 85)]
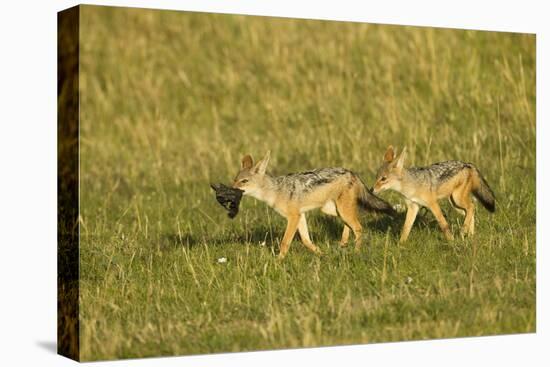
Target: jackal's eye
[(383, 178), (244, 180)]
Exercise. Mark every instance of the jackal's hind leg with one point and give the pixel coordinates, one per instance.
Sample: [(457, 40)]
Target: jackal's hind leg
[(438, 214), (471, 222), (330, 208), (345, 236), (304, 235), (347, 209), (463, 200), (458, 209)]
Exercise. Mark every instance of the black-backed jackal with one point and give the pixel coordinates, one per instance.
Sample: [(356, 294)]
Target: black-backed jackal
[(424, 186), (337, 191)]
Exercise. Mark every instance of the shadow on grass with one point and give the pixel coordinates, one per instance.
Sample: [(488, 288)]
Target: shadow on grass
[(331, 227), (383, 224), (424, 221), (378, 223), (172, 241)]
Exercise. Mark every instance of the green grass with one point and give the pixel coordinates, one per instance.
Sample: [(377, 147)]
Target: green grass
[(170, 101)]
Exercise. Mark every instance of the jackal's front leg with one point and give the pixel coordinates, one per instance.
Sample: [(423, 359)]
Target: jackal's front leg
[(291, 226), (412, 211)]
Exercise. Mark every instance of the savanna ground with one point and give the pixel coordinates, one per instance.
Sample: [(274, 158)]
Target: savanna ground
[(170, 101)]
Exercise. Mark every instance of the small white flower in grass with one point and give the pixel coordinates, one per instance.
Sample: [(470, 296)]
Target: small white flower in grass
[(398, 207), (222, 260), (409, 280)]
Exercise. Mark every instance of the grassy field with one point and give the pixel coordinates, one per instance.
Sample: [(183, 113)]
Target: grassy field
[(170, 101)]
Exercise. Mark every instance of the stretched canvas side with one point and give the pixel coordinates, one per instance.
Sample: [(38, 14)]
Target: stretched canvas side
[(68, 342)]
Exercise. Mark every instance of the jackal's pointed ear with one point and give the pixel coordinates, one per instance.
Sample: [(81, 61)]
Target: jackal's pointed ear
[(389, 156), (401, 159), (261, 166), (247, 162)]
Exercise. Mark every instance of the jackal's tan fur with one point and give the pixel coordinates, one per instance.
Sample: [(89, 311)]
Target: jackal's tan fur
[(337, 191), (424, 186)]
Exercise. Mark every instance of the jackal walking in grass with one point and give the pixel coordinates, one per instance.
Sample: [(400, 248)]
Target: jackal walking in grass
[(337, 191), (424, 186)]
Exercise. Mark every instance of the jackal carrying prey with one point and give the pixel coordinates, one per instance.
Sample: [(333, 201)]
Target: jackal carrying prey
[(337, 191), (424, 186)]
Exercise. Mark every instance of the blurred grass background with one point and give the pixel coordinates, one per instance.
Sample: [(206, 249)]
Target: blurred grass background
[(170, 101)]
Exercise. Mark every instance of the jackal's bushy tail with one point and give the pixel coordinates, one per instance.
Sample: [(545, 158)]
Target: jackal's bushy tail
[(368, 201), (483, 192)]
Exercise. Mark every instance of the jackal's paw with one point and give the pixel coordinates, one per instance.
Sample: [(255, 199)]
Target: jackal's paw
[(343, 244), (466, 233)]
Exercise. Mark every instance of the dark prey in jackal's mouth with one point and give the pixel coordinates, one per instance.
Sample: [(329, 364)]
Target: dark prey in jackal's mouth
[(229, 198)]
